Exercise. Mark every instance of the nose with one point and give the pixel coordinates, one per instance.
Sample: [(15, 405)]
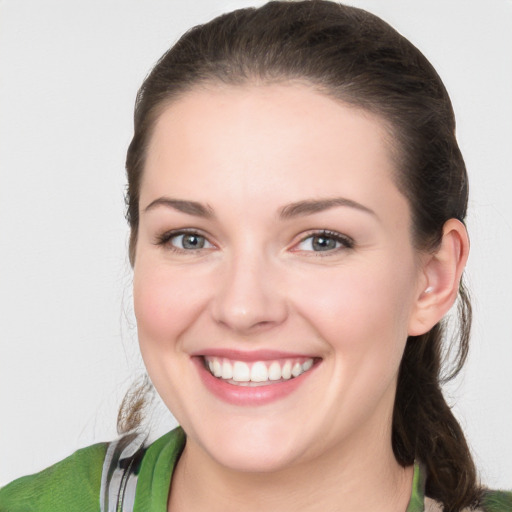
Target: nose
[(249, 297)]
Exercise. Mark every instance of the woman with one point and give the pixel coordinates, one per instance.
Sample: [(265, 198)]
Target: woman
[(296, 202)]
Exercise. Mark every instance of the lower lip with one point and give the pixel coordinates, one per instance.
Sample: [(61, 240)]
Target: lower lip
[(249, 395)]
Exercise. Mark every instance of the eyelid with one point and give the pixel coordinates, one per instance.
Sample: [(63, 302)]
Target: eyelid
[(346, 241), (164, 239)]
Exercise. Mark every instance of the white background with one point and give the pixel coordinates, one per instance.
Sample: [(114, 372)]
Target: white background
[(69, 71)]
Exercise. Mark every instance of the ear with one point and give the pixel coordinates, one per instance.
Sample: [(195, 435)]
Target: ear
[(441, 274)]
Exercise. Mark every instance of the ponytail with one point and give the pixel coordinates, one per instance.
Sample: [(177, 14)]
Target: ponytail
[(424, 427)]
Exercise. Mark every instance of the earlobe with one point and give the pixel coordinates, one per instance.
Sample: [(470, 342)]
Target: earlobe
[(442, 271)]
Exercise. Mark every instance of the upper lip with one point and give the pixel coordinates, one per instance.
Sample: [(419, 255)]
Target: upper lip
[(249, 355)]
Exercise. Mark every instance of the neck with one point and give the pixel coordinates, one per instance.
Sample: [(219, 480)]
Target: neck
[(356, 476)]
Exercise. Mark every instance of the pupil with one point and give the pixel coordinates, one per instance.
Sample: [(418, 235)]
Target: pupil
[(322, 243), (193, 242)]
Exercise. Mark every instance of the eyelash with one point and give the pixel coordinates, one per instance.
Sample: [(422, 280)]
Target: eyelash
[(345, 241), (165, 238)]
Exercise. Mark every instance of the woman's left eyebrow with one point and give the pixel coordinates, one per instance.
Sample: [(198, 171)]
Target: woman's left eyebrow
[(310, 206)]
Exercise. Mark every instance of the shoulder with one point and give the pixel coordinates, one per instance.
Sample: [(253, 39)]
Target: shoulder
[(75, 483), (492, 501), (71, 484), (497, 501), (157, 469)]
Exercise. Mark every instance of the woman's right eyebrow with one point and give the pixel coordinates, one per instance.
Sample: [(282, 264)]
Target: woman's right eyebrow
[(184, 206)]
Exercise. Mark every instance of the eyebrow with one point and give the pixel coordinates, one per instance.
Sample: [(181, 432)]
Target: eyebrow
[(190, 207), (297, 209), (311, 206)]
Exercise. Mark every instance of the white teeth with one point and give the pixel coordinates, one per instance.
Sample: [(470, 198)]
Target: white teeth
[(286, 371), (217, 369), (274, 372), (307, 365), (297, 369), (258, 372), (241, 372), (227, 370)]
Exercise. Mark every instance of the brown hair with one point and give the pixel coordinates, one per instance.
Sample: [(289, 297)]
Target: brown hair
[(357, 58)]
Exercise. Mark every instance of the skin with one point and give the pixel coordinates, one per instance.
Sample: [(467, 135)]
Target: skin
[(245, 153)]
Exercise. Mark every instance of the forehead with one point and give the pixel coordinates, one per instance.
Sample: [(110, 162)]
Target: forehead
[(274, 142)]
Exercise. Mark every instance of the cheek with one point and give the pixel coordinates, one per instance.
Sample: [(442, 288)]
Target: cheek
[(165, 303), (362, 316), (362, 311)]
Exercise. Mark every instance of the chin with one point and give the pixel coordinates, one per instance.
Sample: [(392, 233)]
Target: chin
[(253, 459), (254, 447)]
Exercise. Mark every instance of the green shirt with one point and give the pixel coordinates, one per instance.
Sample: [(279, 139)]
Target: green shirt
[(74, 483)]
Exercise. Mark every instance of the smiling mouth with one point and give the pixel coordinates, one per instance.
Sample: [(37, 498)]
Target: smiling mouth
[(257, 373)]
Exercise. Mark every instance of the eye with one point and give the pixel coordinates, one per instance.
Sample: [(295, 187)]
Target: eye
[(324, 241), (189, 241), (184, 241)]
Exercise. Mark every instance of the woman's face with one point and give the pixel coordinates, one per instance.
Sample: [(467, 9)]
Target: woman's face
[(274, 251)]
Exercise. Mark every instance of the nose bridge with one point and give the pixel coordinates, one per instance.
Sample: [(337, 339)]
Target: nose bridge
[(248, 296)]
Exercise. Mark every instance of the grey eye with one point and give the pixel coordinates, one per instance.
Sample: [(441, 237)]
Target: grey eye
[(190, 241), (319, 243), (324, 243)]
